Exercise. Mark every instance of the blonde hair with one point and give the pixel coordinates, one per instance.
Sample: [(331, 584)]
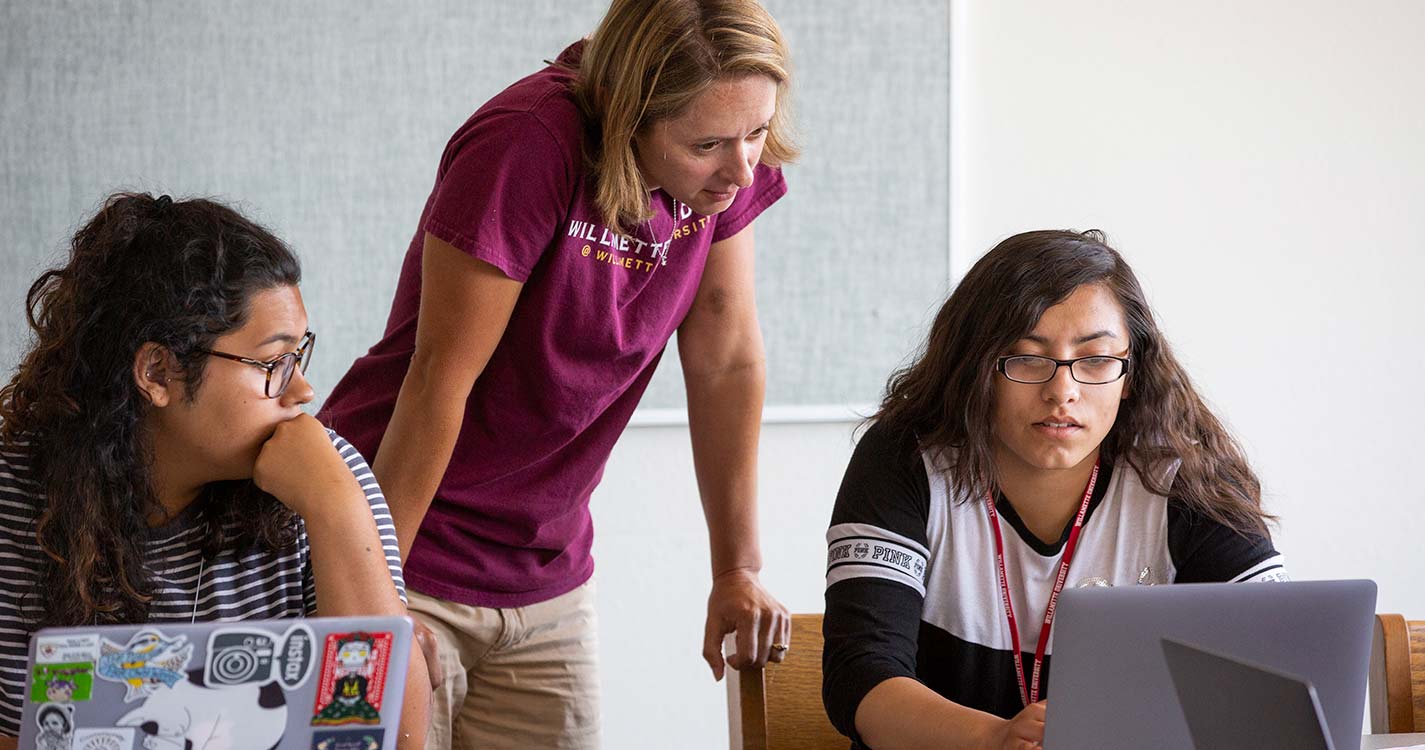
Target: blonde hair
[(647, 61)]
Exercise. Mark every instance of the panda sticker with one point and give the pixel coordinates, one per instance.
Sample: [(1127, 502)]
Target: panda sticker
[(191, 715)]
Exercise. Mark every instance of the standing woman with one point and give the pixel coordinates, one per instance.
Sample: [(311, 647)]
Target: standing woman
[(578, 220)]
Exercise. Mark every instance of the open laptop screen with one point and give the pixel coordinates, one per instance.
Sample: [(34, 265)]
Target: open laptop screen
[(1110, 687)]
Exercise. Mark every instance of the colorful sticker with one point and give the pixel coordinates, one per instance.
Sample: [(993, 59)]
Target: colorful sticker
[(56, 723), (66, 649), (148, 660), (240, 656), (353, 677), (348, 739), (116, 738), (62, 683)]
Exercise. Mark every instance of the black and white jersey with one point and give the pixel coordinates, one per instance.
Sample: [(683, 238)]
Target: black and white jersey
[(912, 589)]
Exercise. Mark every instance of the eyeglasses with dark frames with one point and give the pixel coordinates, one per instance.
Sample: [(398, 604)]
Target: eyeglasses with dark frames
[(282, 366), (1099, 369)]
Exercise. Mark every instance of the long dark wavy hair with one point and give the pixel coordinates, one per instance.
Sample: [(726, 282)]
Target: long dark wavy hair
[(178, 274), (946, 396)]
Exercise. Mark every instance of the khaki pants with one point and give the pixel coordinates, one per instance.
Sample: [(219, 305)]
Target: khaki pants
[(524, 677)]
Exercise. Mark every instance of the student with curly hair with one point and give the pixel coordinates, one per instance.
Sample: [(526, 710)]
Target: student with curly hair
[(1044, 436), (155, 462)]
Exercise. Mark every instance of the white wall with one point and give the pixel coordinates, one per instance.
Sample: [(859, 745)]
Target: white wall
[(651, 552), (1261, 164)]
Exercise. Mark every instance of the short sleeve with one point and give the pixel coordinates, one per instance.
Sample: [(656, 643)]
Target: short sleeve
[(1205, 551), (505, 183), (20, 499), (876, 563), (309, 579), (379, 511), (768, 185)]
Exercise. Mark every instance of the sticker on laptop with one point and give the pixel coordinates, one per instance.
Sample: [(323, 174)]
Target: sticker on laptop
[(115, 738), (56, 723), (62, 683), (240, 656), (148, 660), (190, 715), (348, 739), (66, 649), (353, 677)]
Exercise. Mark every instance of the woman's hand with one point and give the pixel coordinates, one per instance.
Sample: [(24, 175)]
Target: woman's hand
[(430, 649), (739, 604), (1024, 732), (299, 466)]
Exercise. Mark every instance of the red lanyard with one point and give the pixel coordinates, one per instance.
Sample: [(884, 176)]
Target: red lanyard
[(1030, 693)]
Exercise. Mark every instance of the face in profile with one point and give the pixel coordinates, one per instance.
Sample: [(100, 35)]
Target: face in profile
[(223, 428), (1059, 424), (705, 155)]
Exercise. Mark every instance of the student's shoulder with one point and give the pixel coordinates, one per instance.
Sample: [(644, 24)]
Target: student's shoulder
[(20, 493), (886, 481), (1205, 549), (881, 442), (348, 452)]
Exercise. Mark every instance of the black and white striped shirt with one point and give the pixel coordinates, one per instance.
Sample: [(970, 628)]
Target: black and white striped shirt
[(257, 584), (912, 589)]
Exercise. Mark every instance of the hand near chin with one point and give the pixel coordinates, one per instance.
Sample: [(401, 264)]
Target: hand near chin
[(1024, 732), (299, 466)]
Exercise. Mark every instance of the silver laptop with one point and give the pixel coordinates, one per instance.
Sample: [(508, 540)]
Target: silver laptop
[(1233, 704), (1109, 685), (307, 684)]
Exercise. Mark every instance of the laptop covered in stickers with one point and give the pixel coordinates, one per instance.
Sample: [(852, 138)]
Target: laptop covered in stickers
[(332, 683)]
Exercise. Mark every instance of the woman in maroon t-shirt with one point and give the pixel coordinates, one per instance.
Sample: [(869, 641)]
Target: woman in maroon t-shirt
[(579, 219)]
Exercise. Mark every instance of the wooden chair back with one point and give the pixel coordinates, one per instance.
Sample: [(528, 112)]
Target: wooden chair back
[(779, 708), (1397, 675)]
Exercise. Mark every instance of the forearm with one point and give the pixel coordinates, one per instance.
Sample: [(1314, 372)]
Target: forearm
[(724, 419), (416, 449), (353, 578), (901, 713), (415, 714), (349, 566)]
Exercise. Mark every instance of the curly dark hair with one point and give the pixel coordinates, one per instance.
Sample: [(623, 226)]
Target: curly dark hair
[(178, 274), (946, 397)]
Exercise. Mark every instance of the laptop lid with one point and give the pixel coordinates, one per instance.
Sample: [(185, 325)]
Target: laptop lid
[(1232, 704), (300, 684), (1109, 685)]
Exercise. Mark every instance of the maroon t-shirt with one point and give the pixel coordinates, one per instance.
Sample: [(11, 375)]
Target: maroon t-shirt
[(510, 522)]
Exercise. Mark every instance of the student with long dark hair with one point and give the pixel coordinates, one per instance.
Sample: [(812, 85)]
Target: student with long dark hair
[(1046, 423), (155, 462)]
